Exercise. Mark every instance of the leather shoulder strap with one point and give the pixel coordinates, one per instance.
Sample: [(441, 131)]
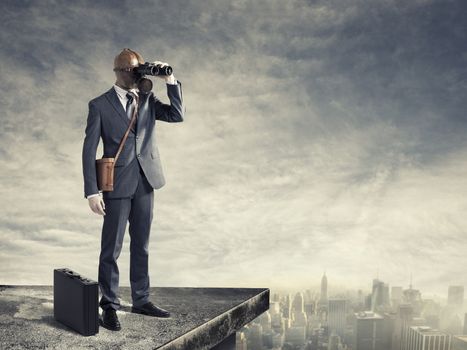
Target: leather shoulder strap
[(133, 118)]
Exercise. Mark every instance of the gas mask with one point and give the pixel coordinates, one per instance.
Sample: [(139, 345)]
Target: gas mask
[(130, 76)]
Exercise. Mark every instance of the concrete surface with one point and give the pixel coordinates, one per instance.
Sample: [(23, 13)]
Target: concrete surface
[(201, 318)]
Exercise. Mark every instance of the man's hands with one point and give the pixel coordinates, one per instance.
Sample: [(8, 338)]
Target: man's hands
[(168, 78), (97, 205)]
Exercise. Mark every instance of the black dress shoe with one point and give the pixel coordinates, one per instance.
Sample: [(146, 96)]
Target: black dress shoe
[(109, 320), (151, 310)]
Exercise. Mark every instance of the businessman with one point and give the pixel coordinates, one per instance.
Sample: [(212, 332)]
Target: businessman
[(137, 173)]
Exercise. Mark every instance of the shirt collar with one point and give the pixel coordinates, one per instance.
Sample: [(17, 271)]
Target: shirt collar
[(122, 92)]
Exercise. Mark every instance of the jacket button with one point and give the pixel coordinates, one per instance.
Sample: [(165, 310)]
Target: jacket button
[(139, 155)]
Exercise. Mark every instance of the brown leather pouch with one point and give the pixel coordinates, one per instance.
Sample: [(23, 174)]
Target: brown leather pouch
[(105, 174), (105, 166)]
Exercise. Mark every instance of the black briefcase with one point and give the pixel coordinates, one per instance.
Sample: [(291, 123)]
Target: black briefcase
[(76, 301)]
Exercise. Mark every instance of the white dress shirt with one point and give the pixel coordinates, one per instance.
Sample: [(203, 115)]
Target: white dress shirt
[(121, 93)]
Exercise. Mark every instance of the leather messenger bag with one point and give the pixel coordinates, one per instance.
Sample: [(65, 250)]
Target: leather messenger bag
[(105, 166)]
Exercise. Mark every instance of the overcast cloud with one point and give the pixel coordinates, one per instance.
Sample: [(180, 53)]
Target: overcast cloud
[(318, 135)]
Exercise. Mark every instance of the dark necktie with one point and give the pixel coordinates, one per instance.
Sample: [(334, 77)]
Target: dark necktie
[(130, 106)]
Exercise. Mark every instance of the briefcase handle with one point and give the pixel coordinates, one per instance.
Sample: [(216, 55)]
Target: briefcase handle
[(72, 274)]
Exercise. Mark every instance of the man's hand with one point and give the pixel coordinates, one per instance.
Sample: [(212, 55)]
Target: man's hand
[(97, 205), (168, 78)]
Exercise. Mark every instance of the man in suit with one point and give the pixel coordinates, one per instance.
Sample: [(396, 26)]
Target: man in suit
[(137, 173)]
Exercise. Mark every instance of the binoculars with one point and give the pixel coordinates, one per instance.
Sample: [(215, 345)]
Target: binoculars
[(148, 68), (153, 69)]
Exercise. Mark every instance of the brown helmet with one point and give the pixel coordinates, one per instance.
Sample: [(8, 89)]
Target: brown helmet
[(127, 59)]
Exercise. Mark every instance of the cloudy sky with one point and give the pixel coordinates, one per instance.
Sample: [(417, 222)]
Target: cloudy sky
[(319, 135)]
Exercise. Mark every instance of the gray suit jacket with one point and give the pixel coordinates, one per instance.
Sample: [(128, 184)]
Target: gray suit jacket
[(107, 120)]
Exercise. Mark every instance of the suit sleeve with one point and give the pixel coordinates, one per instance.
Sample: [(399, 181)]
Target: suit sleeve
[(173, 112), (91, 141)]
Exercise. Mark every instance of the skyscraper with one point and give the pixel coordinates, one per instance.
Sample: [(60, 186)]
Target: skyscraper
[(324, 289), (424, 337), (396, 296), (368, 331), (379, 295), (298, 311), (322, 308), (337, 316), (255, 337), (459, 343), (456, 296)]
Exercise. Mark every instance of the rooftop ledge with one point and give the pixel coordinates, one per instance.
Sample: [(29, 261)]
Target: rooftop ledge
[(201, 318)]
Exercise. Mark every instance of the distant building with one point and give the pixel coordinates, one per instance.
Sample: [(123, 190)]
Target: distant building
[(240, 341), (287, 307), (389, 322), (413, 297), (456, 296), (396, 296), (265, 321), (337, 315), (334, 342), (324, 290), (379, 295), (322, 307), (425, 337), (368, 331), (402, 322), (255, 337), (295, 336), (298, 311), (459, 342), (278, 340)]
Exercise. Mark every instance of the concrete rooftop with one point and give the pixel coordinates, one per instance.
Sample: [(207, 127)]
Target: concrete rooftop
[(201, 318)]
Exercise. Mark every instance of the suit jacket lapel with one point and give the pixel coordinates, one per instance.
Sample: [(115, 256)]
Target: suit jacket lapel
[(115, 102)]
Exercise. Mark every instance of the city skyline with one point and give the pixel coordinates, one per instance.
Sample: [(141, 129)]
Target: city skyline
[(337, 290), (381, 318)]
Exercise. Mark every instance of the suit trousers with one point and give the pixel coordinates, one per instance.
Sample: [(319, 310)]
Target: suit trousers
[(138, 211)]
